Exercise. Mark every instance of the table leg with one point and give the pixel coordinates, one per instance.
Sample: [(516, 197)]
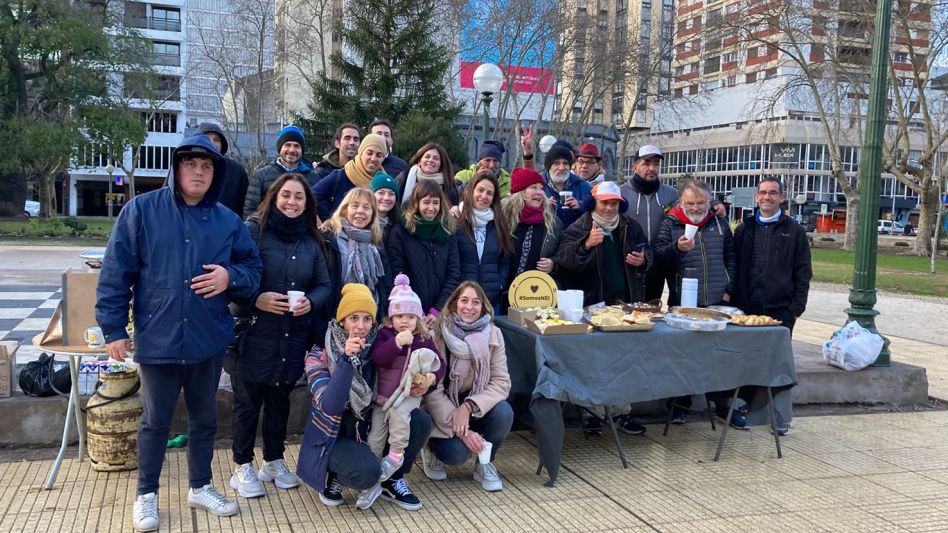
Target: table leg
[(773, 421), (54, 470), (615, 435), (77, 405), (548, 423), (727, 424)]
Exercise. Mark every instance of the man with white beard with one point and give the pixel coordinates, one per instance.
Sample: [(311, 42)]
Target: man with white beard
[(565, 191)]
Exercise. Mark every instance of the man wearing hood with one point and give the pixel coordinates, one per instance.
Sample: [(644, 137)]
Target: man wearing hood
[(290, 145), (235, 185), (566, 192), (489, 158), (179, 257), (345, 144)]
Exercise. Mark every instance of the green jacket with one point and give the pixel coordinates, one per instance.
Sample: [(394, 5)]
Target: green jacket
[(464, 175)]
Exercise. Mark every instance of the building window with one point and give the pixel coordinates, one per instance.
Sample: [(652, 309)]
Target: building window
[(161, 122), (712, 64), (166, 54), (155, 157)]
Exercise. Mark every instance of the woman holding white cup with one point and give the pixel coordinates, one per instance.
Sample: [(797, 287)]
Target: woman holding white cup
[(469, 409), (269, 359)]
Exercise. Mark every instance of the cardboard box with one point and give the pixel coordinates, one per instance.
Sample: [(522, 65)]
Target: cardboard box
[(78, 305), (520, 315), (567, 329), (7, 367)]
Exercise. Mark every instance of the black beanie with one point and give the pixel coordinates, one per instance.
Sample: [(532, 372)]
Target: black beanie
[(290, 133), (560, 150)]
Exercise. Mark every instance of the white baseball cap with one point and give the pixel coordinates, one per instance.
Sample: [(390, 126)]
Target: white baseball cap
[(606, 190), (649, 151)]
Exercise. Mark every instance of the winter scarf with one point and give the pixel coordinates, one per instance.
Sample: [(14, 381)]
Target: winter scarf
[(430, 230), (469, 347), (360, 393), (645, 186), (414, 175), (362, 262), (285, 228), (679, 213), (356, 172), (608, 224), (531, 215)]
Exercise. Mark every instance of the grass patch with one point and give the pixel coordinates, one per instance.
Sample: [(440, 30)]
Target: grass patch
[(895, 273), (59, 228)]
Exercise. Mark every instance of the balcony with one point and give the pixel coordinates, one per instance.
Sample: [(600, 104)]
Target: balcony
[(152, 23), (166, 60)]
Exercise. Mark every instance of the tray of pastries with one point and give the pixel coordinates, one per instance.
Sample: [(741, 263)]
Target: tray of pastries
[(614, 318), (754, 320)]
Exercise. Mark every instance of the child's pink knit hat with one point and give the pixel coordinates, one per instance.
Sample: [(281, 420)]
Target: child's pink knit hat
[(403, 300)]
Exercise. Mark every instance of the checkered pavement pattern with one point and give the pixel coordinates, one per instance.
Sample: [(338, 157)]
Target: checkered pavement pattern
[(25, 310)]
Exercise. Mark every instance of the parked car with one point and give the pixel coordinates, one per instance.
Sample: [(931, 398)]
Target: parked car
[(890, 227), (31, 209)]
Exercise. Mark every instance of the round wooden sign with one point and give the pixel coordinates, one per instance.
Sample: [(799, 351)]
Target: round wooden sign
[(532, 289)]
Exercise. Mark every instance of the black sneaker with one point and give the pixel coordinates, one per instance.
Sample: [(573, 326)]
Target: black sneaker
[(628, 425), (332, 494), (397, 491), (592, 426)]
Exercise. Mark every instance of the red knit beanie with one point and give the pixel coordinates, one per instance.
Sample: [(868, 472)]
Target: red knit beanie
[(521, 178)]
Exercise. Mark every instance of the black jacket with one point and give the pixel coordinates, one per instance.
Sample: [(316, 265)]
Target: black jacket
[(335, 275), (235, 187), (784, 279), (712, 258), (490, 271), (433, 267), (276, 344), (584, 269), (394, 165)]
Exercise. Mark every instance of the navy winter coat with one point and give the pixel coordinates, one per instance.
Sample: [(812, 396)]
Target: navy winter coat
[(276, 344), (581, 190), (157, 246), (490, 271), (433, 267), (330, 191)]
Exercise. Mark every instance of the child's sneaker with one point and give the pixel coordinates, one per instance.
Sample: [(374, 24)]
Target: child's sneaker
[(390, 464)]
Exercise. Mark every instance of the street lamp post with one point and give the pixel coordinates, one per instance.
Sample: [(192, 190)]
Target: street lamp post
[(487, 80), (110, 169), (862, 296)]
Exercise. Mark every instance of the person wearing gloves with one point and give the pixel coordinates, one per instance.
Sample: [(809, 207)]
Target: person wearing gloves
[(404, 354), (179, 255), (358, 172), (469, 408), (340, 377), (270, 356)]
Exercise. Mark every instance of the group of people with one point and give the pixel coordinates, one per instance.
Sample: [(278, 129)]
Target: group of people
[(376, 282)]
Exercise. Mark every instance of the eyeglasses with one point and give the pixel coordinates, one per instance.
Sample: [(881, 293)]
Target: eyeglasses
[(585, 162), (769, 193), (694, 205)]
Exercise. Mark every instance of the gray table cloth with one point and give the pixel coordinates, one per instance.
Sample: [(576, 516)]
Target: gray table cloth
[(618, 368)]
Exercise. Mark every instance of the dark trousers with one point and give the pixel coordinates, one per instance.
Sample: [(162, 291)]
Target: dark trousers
[(161, 385), (654, 284), (356, 467), (493, 426), (248, 400)]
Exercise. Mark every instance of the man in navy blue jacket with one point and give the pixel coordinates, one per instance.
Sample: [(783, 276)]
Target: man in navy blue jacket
[(565, 191), (181, 255)]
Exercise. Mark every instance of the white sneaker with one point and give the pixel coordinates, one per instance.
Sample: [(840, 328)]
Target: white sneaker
[(368, 496), (487, 476), (433, 467), (245, 482), (279, 474), (208, 498), (145, 512)]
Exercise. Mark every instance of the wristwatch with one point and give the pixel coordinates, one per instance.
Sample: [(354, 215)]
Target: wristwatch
[(472, 407)]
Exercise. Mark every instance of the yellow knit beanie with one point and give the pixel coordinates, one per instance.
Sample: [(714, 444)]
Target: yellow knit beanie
[(356, 298)]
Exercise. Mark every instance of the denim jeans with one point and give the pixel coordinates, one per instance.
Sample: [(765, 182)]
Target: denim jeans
[(493, 426)]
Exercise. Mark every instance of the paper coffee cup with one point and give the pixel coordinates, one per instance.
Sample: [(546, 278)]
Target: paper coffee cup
[(690, 231), (484, 456), (564, 195), (295, 297)]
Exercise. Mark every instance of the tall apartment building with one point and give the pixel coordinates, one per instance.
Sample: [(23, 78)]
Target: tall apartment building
[(619, 61), (749, 117)]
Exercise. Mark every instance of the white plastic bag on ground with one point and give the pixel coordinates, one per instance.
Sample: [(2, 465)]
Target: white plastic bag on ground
[(852, 347)]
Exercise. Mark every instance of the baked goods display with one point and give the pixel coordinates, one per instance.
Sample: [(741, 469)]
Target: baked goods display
[(653, 306), (754, 320), (614, 318), (549, 321), (696, 319)]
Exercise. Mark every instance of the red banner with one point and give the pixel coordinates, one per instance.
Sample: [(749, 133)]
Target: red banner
[(525, 79)]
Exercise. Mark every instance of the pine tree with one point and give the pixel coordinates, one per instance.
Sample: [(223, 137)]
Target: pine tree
[(390, 63)]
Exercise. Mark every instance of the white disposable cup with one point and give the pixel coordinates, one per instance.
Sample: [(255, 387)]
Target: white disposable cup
[(295, 297), (484, 456), (564, 195), (94, 337), (690, 231)]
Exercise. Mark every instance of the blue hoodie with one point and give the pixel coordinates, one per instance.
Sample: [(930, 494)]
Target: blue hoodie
[(158, 244), (581, 190)]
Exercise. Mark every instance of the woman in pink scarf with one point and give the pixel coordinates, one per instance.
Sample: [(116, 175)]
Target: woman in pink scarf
[(469, 408)]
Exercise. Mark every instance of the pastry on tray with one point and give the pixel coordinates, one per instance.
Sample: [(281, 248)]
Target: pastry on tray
[(754, 320)]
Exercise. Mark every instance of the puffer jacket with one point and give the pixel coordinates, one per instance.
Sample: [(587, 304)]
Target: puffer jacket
[(648, 209), (585, 266), (276, 344), (263, 178), (464, 175), (432, 266), (713, 258), (158, 244), (330, 191), (490, 270)]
